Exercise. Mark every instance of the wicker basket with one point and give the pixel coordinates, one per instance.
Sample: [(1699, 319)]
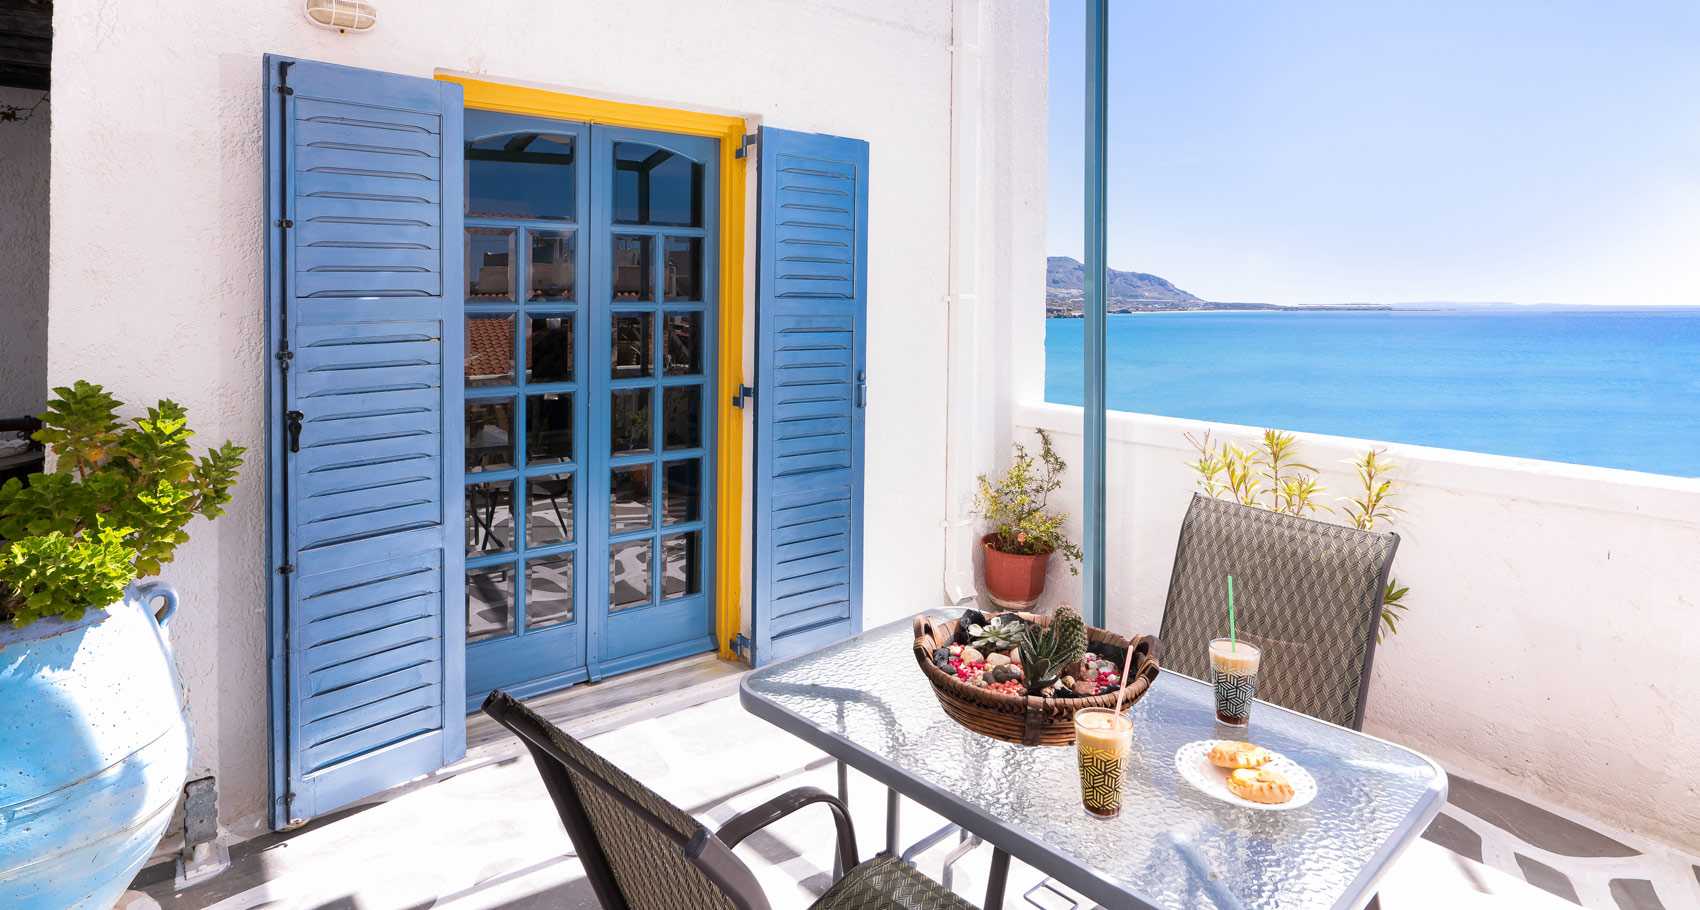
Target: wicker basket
[(1026, 719)]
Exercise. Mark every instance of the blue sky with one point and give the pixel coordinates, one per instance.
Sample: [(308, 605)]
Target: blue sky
[(1326, 151)]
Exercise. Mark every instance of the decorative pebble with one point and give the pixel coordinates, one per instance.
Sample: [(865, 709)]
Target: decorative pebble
[(994, 660), (1091, 673), (972, 656), (1068, 682)]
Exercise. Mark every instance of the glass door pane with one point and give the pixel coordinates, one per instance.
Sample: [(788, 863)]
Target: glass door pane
[(528, 201)]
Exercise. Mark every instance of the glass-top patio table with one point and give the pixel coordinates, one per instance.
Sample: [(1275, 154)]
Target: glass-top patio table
[(864, 702)]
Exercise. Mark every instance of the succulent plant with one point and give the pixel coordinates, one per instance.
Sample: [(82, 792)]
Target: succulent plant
[(1048, 651), (996, 636)]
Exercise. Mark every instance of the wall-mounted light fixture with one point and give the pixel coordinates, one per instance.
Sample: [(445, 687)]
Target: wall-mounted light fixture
[(342, 15)]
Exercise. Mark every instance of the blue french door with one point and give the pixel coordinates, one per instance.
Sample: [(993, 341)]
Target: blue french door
[(655, 342), (527, 202), (590, 325)]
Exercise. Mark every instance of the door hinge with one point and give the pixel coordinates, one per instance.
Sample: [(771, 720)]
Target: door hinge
[(744, 147), (861, 388), (286, 569), (741, 644), (285, 90), (283, 223), (284, 355), (288, 801), (744, 397)]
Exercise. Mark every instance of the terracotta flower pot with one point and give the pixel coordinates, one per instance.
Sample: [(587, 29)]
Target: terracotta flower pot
[(1014, 581)]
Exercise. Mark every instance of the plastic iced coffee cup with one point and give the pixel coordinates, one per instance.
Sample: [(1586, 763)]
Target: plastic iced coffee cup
[(1233, 674), (1104, 740)]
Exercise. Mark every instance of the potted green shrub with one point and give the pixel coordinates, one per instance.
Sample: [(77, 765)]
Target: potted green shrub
[(96, 746), (1024, 531)]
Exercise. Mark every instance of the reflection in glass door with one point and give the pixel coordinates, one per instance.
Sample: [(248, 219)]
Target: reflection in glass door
[(589, 307)]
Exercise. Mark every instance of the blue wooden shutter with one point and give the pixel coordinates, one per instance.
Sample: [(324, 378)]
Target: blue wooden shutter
[(363, 259), (811, 392)]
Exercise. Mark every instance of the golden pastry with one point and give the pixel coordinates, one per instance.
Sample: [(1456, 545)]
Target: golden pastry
[(1260, 785), (1227, 754)]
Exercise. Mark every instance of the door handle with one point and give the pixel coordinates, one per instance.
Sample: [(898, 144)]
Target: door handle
[(292, 425), (861, 388)]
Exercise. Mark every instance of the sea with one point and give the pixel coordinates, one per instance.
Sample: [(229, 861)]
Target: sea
[(1604, 386)]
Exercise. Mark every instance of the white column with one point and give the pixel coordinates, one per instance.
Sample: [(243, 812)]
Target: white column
[(967, 433)]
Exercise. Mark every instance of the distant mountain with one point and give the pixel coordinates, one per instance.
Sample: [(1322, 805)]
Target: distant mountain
[(1129, 292), (1065, 278), (1139, 292)]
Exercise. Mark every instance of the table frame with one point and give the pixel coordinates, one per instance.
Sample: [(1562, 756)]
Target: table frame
[(1007, 842)]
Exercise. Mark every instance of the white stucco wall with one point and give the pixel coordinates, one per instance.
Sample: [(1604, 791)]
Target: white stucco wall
[(1550, 640), (156, 276), (23, 256)]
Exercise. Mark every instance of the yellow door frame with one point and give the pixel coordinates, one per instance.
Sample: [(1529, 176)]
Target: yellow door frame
[(729, 484)]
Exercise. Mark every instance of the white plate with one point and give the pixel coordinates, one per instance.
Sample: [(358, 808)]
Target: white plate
[(1192, 762)]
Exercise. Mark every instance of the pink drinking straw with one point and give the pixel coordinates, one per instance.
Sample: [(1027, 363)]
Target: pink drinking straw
[(1127, 664)]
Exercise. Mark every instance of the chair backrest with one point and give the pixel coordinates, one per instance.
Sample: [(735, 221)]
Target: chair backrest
[(640, 852), (1307, 592)]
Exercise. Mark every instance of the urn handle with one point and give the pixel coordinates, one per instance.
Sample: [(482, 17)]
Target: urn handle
[(159, 589)]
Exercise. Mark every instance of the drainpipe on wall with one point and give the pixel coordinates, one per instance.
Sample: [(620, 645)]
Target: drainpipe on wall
[(967, 435)]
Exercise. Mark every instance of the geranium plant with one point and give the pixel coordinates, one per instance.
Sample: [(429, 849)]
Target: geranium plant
[(114, 508), (1016, 506)]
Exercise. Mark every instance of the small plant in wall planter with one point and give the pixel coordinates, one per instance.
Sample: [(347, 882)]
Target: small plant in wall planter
[(1024, 531), (90, 688)]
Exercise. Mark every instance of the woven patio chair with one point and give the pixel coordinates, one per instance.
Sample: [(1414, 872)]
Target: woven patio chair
[(1307, 592), (641, 852)]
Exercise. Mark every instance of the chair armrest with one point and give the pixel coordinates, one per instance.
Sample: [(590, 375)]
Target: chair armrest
[(747, 823)]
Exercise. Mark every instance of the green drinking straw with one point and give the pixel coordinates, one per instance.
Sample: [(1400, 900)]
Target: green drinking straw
[(1233, 640)]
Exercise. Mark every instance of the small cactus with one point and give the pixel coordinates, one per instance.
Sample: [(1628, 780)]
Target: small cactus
[(1070, 630), (1050, 650)]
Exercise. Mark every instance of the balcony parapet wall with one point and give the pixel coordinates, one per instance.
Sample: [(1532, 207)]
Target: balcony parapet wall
[(1551, 642)]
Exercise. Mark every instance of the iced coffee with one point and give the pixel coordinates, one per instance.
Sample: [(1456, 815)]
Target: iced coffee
[(1233, 674), (1104, 740)]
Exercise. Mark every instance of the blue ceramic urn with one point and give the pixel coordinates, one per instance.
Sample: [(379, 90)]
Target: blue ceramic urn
[(94, 750)]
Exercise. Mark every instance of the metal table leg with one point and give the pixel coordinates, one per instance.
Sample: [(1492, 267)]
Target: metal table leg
[(893, 805), (997, 880)]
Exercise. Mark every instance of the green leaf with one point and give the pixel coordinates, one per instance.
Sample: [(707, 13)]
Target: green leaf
[(122, 495), (1015, 507)]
